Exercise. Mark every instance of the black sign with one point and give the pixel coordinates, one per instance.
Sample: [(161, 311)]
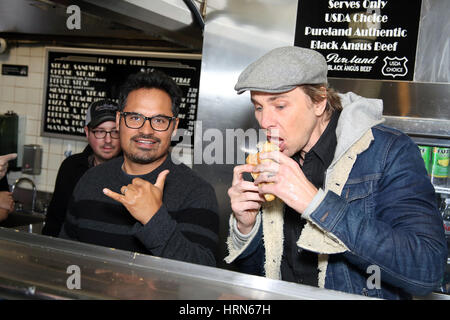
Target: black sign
[(14, 70), (369, 39), (77, 77)]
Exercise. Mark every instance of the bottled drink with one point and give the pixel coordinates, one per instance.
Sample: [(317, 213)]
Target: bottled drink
[(439, 166), (426, 155), (446, 218)]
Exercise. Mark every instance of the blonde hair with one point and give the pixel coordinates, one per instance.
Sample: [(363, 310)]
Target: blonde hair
[(316, 93)]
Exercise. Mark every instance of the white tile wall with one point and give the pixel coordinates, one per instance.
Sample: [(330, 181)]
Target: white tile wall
[(24, 95)]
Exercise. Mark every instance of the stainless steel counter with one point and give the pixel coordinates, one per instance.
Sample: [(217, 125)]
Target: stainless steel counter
[(39, 267)]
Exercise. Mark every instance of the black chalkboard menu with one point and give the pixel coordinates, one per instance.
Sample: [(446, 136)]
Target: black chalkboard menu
[(76, 77), (368, 39)]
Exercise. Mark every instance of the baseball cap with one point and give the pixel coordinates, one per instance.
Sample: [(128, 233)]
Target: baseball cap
[(282, 69), (101, 111)]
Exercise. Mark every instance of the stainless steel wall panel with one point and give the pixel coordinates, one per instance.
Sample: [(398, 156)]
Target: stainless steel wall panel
[(236, 33), (433, 45), (417, 108), (404, 99)]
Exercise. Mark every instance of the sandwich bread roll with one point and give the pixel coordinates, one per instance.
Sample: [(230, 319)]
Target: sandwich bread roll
[(254, 159)]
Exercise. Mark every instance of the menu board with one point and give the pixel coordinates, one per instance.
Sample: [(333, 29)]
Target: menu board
[(77, 77), (369, 39)]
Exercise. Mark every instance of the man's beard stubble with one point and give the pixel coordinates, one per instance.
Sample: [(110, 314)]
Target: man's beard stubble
[(145, 158)]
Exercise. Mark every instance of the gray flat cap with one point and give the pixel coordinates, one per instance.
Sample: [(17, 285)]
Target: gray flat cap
[(282, 69)]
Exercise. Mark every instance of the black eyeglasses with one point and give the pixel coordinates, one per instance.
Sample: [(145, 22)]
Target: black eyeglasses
[(135, 120), (100, 134)]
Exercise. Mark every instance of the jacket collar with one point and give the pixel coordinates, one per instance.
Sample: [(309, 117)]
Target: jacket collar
[(359, 114)]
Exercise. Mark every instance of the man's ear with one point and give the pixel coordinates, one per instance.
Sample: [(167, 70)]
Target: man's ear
[(321, 105), (175, 127), (86, 131), (117, 120)]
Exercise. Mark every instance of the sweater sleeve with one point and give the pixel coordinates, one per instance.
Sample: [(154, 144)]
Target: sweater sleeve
[(66, 180), (238, 243), (69, 227), (57, 208), (190, 235)]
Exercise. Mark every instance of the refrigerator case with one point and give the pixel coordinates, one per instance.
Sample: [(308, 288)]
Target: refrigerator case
[(435, 152)]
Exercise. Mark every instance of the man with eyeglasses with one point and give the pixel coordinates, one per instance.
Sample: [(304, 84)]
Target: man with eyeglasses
[(143, 202), (103, 145)]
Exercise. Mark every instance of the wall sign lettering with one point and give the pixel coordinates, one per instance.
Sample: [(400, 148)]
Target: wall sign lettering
[(369, 39), (77, 77)]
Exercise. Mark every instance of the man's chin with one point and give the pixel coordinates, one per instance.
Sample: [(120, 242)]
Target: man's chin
[(141, 159), (108, 156)]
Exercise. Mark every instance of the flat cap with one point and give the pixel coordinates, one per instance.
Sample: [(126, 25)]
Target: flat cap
[(282, 69)]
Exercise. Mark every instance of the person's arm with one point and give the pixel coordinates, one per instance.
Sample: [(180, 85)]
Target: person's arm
[(190, 235), (246, 251), (404, 237), (6, 204), (4, 207), (69, 228), (56, 211), (6, 200), (4, 163), (245, 220), (239, 244)]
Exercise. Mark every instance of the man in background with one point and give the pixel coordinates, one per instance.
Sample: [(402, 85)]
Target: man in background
[(103, 145)]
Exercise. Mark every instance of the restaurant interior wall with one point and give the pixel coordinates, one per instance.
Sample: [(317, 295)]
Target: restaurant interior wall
[(23, 95)]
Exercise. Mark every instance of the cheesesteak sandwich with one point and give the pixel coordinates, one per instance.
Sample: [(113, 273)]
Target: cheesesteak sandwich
[(254, 159)]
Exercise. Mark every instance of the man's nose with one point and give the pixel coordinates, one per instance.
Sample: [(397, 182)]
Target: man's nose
[(147, 127), (267, 119), (108, 138)]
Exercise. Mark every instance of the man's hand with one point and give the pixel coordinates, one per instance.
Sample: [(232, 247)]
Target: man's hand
[(288, 181), (141, 198), (245, 199), (6, 201), (4, 163)]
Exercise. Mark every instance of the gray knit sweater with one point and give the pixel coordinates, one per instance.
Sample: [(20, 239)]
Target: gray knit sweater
[(185, 228)]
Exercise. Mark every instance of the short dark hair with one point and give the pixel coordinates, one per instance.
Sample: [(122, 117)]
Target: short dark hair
[(151, 80)]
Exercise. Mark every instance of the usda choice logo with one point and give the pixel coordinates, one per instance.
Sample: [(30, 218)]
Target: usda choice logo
[(395, 67)]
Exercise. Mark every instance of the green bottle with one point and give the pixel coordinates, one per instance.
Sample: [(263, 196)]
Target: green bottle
[(426, 155), (439, 166)]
